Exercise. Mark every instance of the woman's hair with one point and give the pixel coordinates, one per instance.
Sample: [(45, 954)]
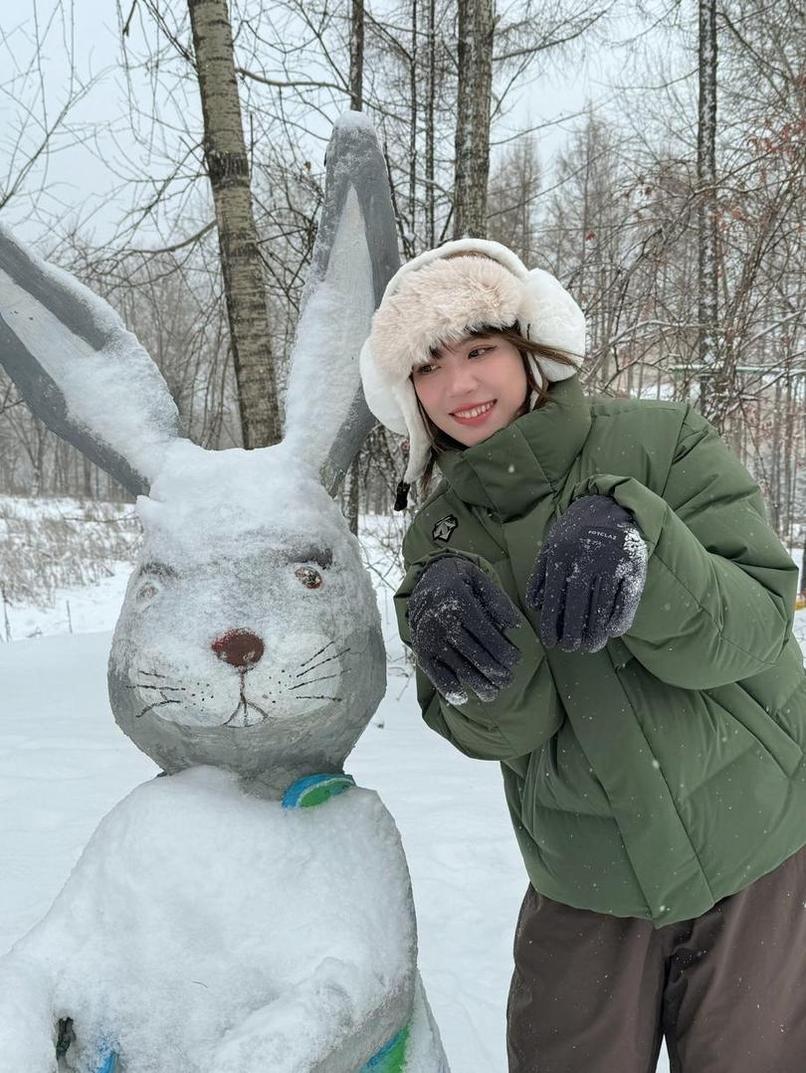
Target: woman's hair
[(441, 441)]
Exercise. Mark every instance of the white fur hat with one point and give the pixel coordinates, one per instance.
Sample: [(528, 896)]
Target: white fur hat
[(437, 298)]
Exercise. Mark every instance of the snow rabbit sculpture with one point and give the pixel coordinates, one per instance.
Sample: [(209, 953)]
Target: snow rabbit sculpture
[(251, 912)]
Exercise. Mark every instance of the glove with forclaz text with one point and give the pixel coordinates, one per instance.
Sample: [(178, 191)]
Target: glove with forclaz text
[(589, 576), (457, 616)]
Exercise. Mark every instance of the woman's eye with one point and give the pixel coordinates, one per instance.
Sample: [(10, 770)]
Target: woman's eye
[(424, 370), (478, 350), (147, 592), (309, 577)]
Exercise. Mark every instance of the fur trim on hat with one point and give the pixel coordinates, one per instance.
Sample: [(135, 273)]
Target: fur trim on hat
[(440, 304)]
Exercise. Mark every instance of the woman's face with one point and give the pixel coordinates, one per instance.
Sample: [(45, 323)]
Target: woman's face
[(472, 388)]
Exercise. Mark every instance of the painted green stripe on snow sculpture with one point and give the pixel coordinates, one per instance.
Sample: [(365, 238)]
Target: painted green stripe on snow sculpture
[(391, 1058), (315, 790)]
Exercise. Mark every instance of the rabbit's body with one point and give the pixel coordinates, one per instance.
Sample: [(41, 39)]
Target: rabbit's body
[(207, 928), (234, 934)]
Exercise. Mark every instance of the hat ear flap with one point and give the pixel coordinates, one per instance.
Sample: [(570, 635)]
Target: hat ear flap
[(551, 317), (395, 406), (552, 370), (419, 440), (379, 394)]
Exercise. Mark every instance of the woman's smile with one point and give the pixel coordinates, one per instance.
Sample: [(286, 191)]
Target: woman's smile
[(474, 415)]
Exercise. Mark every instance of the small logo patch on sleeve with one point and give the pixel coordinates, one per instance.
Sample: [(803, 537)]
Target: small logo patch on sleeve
[(444, 528)]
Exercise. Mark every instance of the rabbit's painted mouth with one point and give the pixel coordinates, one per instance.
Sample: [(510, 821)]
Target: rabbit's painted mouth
[(247, 714)]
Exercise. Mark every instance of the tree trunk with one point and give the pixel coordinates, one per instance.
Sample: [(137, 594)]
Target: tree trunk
[(86, 472), (413, 121), (38, 464), (472, 147), (350, 492), (707, 279), (357, 56), (430, 193), (776, 500), (350, 496), (228, 169)]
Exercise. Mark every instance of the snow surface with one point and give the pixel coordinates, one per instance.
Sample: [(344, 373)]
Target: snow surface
[(632, 573), (76, 609), (64, 765)]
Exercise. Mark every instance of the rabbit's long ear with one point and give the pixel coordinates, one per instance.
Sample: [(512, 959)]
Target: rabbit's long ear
[(80, 370), (354, 257)]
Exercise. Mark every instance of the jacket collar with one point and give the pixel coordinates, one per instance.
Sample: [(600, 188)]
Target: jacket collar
[(526, 461)]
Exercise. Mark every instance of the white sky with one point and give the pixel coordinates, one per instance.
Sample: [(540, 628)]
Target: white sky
[(83, 180)]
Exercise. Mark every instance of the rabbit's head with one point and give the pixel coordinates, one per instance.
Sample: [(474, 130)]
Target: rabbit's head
[(249, 637)]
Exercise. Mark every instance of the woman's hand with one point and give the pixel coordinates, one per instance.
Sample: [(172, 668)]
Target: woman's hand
[(457, 616), (589, 576)]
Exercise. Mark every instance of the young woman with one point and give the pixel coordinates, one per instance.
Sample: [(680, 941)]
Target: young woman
[(595, 599)]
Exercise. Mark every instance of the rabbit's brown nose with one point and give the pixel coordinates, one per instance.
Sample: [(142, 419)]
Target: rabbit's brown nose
[(239, 648)]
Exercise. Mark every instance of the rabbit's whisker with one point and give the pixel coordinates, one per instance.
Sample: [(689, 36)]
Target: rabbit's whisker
[(322, 678), (152, 674), (319, 653), (159, 704), (322, 662), (318, 696), (166, 689)]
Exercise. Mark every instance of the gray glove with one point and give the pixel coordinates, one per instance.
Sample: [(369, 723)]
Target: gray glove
[(457, 616), (589, 576)]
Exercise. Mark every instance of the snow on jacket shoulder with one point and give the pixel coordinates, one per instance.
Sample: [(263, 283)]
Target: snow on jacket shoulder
[(657, 776)]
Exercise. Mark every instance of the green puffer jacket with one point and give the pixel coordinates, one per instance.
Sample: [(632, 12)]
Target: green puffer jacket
[(665, 772)]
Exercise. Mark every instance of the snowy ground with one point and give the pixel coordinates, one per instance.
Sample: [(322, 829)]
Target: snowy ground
[(63, 764)]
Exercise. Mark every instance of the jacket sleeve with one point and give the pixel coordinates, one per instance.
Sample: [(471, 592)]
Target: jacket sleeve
[(524, 714), (719, 597)]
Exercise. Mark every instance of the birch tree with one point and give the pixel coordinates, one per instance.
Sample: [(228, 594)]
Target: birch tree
[(228, 169), (351, 491), (708, 351), (472, 147), (357, 56)]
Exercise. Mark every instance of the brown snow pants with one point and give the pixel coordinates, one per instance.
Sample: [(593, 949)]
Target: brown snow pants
[(593, 993)]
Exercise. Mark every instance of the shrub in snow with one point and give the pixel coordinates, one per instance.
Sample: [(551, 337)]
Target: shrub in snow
[(48, 544), (251, 910)]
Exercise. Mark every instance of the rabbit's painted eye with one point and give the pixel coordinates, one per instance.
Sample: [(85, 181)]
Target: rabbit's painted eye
[(309, 577), (147, 592)]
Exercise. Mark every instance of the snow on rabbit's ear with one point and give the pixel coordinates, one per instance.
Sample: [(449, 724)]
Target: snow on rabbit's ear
[(355, 255), (80, 371)]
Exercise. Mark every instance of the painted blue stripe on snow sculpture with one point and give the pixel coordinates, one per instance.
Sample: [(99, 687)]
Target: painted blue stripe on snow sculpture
[(389, 1059), (109, 1061), (315, 790)]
